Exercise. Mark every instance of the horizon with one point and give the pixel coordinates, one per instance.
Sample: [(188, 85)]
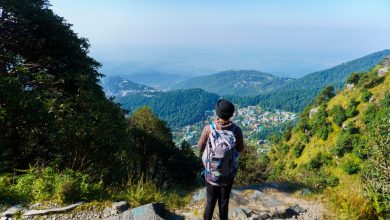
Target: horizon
[(289, 39)]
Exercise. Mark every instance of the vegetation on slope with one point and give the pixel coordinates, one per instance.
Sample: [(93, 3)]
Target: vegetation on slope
[(177, 107), (342, 150), (235, 82), (297, 94)]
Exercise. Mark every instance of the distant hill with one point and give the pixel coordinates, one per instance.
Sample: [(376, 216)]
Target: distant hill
[(155, 79), (235, 82), (342, 142), (296, 94), (119, 86), (177, 107)]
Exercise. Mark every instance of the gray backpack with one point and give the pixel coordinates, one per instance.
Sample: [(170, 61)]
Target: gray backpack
[(220, 157)]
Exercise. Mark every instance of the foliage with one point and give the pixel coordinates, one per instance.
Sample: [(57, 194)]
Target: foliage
[(235, 82), (252, 167), (352, 108), (353, 78), (296, 95), (318, 161), (157, 156), (178, 107), (297, 149), (339, 115), (345, 142), (350, 166), (376, 173), (366, 95), (319, 124), (44, 184), (324, 96)]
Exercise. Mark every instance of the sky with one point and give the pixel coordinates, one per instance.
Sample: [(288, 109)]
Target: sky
[(283, 37)]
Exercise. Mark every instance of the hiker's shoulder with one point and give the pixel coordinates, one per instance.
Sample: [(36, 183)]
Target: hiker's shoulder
[(236, 128)]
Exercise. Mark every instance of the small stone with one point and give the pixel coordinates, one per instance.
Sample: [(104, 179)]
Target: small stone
[(120, 206), (306, 191)]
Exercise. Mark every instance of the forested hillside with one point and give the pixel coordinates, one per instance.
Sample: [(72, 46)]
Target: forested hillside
[(235, 82), (294, 96), (340, 147), (177, 107), (61, 139), (119, 86)]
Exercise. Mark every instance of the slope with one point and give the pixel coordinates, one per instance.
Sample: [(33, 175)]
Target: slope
[(336, 145), (295, 95), (119, 86), (177, 107), (235, 82)]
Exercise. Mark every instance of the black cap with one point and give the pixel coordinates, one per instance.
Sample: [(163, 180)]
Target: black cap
[(224, 109)]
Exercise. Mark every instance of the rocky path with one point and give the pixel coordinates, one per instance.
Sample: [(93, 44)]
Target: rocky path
[(265, 201)]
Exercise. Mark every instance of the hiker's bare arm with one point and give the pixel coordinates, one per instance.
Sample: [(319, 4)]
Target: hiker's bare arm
[(203, 138)]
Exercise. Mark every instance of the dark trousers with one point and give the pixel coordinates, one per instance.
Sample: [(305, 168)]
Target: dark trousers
[(220, 193)]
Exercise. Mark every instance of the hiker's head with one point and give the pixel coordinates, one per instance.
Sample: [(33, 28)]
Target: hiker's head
[(224, 109)]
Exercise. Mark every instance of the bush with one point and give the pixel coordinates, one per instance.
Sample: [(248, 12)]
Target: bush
[(297, 149), (369, 114), (319, 180), (318, 161), (352, 109), (339, 115), (350, 166), (142, 192), (345, 142), (366, 95), (48, 184), (252, 167), (353, 78)]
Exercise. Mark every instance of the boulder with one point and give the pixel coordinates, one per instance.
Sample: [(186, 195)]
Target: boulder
[(312, 112), (50, 211), (11, 211), (153, 211), (350, 86)]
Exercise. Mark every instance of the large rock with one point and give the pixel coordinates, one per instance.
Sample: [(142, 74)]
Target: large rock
[(152, 211), (11, 211), (51, 211)]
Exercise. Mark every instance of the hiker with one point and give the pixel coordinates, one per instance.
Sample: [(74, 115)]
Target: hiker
[(220, 143)]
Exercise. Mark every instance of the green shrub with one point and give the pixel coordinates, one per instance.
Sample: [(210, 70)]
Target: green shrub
[(319, 180), (318, 161), (369, 114), (142, 192), (48, 184), (353, 78), (352, 109), (345, 142), (339, 115), (350, 166), (366, 95), (297, 149)]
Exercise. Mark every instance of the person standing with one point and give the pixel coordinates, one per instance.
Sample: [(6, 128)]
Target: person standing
[(220, 142)]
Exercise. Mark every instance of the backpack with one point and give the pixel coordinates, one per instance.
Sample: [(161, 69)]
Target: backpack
[(220, 156)]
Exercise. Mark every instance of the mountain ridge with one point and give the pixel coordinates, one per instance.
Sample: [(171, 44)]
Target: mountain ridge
[(235, 82)]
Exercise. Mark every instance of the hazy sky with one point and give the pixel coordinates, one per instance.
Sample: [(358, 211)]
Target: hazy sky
[(289, 37)]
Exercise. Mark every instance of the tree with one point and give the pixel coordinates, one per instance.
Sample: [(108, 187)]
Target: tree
[(353, 78), (339, 115), (325, 94)]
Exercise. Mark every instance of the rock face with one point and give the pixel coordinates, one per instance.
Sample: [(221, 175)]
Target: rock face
[(312, 112)]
